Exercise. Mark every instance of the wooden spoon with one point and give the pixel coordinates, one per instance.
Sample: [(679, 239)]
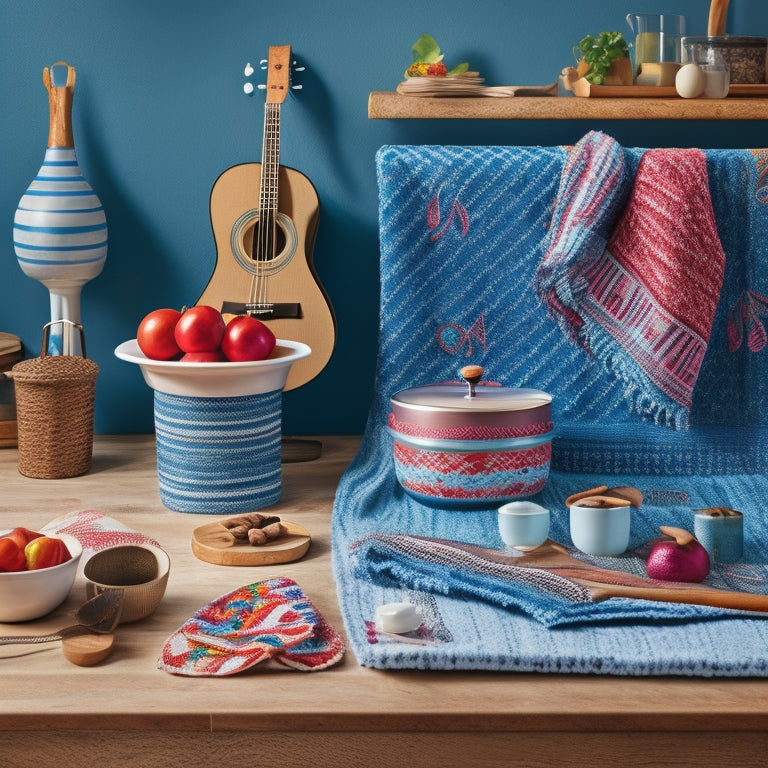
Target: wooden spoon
[(718, 11), (87, 649), (601, 583), (90, 641)]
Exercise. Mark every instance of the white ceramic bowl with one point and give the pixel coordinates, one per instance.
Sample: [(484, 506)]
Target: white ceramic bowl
[(27, 595), (216, 379)]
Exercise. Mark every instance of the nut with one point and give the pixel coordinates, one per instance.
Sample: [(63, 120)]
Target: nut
[(718, 512), (632, 495), (620, 496), (603, 502), (574, 497)]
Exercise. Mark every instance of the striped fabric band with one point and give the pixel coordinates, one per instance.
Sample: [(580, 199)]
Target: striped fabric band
[(218, 455), (669, 352), (479, 432)]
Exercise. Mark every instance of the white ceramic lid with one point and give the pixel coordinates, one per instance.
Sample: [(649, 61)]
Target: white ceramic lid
[(473, 404), (453, 397)]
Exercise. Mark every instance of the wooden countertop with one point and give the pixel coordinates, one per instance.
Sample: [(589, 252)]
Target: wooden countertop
[(388, 105), (127, 712)]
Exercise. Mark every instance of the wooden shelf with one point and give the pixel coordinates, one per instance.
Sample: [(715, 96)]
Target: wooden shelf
[(387, 105)]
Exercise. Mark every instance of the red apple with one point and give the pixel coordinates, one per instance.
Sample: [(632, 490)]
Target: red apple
[(679, 558), (199, 329), (155, 335), (246, 339), (216, 356)]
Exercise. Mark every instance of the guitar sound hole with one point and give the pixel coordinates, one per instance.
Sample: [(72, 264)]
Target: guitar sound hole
[(258, 239), (260, 251)]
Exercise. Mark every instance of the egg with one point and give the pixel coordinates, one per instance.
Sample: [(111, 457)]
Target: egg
[(690, 81)]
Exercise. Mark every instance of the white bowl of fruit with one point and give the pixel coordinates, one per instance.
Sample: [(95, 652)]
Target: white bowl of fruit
[(36, 572), (196, 353)]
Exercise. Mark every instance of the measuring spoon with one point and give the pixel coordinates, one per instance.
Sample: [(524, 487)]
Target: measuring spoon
[(89, 641)]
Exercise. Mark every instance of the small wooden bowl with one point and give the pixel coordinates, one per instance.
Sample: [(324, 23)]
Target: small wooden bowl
[(140, 571)]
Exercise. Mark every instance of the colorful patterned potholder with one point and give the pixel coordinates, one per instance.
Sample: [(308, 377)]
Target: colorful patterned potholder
[(267, 619)]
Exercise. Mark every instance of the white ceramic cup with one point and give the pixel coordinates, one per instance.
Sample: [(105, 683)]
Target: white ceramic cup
[(523, 525), (722, 537), (600, 530)]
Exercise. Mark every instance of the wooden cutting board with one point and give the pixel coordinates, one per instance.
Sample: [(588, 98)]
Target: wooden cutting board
[(213, 543), (581, 87)]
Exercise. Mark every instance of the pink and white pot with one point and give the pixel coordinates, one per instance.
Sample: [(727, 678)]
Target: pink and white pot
[(473, 444)]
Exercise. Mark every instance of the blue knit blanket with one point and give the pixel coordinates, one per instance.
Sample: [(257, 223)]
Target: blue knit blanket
[(464, 233)]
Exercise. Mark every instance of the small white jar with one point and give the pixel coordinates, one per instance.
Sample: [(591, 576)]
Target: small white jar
[(600, 530)]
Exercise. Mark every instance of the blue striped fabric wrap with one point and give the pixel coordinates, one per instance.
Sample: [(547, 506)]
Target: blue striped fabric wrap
[(462, 235), (218, 455)]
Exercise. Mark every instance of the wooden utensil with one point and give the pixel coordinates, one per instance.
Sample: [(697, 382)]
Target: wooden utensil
[(601, 583), (90, 640), (85, 650), (213, 543), (718, 10), (100, 614)]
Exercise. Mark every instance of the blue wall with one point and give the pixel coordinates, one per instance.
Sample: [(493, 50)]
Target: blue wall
[(159, 113)]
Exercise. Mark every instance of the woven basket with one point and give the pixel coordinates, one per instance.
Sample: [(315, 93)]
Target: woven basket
[(139, 571), (54, 407)]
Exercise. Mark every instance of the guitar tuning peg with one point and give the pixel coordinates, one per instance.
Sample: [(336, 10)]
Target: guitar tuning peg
[(296, 68), (263, 63), (296, 87), (248, 71), (262, 86), (248, 89)]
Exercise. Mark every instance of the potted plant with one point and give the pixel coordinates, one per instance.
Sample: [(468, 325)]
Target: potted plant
[(604, 60)]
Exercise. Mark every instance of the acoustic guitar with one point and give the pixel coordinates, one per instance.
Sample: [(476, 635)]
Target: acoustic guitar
[(264, 218)]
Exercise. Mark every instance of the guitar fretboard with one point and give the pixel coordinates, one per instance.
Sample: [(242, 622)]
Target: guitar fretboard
[(270, 161)]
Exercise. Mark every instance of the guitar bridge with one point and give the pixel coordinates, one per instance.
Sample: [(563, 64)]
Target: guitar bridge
[(271, 311)]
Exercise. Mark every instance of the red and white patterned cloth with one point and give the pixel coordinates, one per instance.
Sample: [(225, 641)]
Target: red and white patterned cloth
[(643, 302), (270, 619)]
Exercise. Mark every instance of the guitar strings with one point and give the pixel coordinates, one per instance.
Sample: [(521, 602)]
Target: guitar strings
[(264, 243)]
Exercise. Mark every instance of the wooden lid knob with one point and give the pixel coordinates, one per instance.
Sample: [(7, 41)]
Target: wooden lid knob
[(471, 374)]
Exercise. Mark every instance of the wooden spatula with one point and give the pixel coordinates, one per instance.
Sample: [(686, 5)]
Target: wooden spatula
[(602, 583), (718, 11)]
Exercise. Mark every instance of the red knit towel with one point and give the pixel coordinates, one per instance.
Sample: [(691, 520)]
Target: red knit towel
[(644, 302), (667, 245)]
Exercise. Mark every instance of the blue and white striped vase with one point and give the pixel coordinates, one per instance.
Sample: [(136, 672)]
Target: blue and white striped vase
[(60, 229)]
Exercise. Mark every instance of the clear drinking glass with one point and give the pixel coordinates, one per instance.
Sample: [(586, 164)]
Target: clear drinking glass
[(658, 38)]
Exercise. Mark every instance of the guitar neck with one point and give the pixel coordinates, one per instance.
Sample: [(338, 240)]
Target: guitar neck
[(270, 161)]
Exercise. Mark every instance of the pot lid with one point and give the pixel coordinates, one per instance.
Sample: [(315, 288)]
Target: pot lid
[(470, 397), (728, 41)]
